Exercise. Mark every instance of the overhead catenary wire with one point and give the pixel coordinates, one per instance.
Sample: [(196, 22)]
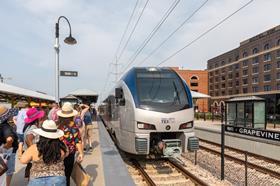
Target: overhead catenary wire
[(126, 28), (204, 33), (153, 32), (172, 33), (133, 30)]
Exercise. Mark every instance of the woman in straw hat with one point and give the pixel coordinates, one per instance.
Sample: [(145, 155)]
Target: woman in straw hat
[(8, 142), (47, 156), (71, 138)]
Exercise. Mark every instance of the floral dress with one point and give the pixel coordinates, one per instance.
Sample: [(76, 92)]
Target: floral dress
[(71, 136)]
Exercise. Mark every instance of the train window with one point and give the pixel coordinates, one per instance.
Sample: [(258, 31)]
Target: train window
[(161, 91)]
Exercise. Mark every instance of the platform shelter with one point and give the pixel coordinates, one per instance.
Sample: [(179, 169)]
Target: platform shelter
[(246, 112)]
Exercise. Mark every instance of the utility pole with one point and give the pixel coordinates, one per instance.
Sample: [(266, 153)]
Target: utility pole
[(116, 70), (2, 78)]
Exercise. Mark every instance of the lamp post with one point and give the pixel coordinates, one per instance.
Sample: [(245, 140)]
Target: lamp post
[(68, 40)]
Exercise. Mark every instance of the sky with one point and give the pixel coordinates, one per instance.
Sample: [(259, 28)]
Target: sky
[(27, 37)]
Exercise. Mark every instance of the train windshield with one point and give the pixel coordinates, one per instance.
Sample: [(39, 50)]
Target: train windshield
[(161, 91)]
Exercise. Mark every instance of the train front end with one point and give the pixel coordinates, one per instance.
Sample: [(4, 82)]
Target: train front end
[(163, 116)]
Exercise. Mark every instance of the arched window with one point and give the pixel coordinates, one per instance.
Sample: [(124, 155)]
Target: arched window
[(278, 42), (255, 50), (194, 78), (194, 81), (245, 54), (266, 46)]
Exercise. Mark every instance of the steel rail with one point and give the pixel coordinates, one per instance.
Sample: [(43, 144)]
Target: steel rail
[(243, 152), (143, 173), (186, 173), (240, 161)]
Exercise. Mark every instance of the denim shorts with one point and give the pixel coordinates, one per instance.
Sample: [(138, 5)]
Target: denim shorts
[(47, 181), (20, 137), (11, 164)]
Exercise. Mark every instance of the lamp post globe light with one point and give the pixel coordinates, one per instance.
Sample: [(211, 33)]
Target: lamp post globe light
[(68, 40)]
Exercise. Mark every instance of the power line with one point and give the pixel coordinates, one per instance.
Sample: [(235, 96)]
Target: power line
[(131, 33), (126, 28), (170, 35), (154, 31), (204, 33)]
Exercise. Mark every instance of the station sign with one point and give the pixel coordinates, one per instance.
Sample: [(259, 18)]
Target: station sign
[(265, 134), (69, 73)]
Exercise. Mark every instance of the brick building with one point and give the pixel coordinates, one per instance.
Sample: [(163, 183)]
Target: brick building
[(197, 81), (251, 69)]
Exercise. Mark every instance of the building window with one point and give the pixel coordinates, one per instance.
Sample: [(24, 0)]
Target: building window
[(255, 80), (216, 86), (216, 72), (245, 63), (236, 66), (230, 92), (278, 42), (278, 54), (267, 88), (216, 79), (236, 83), (255, 60), (230, 68), (223, 70), (278, 75), (216, 65), (229, 60), (230, 84), (255, 51), (245, 54), (278, 64), (194, 84), (245, 72), (237, 58), (229, 76), (223, 63), (216, 93), (245, 81), (245, 90), (211, 80), (211, 87), (267, 57), (267, 67), (255, 89), (267, 77), (236, 74), (236, 91), (223, 78), (223, 93), (211, 94), (278, 86), (210, 66), (194, 78), (255, 70), (211, 73), (223, 85), (266, 46)]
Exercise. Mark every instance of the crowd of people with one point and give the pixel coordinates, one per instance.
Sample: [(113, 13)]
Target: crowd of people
[(47, 141)]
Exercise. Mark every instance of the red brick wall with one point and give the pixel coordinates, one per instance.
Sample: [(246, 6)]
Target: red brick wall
[(202, 76)]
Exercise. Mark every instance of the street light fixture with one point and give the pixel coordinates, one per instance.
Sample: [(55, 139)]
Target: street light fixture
[(68, 40)]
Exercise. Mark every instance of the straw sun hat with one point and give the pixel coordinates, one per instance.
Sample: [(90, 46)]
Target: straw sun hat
[(67, 111), (49, 130)]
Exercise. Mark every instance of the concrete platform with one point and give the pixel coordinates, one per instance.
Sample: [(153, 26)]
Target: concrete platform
[(103, 164), (212, 132)]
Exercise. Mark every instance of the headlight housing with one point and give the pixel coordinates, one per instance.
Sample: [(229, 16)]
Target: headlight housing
[(187, 125), (145, 126)]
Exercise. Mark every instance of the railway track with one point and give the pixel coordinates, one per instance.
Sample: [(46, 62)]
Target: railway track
[(259, 163), (164, 172)]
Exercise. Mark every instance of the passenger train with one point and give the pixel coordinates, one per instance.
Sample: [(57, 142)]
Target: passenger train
[(150, 111)]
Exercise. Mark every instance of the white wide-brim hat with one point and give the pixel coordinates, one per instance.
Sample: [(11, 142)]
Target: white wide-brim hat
[(67, 111), (49, 130)]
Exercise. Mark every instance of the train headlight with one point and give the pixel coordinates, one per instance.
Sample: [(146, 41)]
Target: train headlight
[(187, 125), (145, 126)]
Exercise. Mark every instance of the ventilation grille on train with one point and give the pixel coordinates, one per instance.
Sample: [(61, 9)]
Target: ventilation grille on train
[(141, 145)]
